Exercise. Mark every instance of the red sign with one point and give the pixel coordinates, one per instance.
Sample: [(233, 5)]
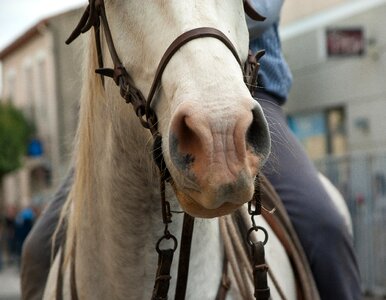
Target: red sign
[(345, 42)]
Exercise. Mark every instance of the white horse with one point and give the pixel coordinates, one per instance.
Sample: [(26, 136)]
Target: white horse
[(204, 112)]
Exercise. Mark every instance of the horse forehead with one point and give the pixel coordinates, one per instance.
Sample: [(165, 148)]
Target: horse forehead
[(167, 11), (143, 30)]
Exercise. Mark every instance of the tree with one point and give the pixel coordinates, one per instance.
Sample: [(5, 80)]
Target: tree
[(15, 131)]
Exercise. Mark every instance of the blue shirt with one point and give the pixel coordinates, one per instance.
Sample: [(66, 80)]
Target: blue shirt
[(274, 75)]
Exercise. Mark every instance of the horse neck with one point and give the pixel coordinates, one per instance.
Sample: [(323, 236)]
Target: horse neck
[(116, 213), (116, 242)]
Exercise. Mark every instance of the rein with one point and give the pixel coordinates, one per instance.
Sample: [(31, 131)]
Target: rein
[(95, 16)]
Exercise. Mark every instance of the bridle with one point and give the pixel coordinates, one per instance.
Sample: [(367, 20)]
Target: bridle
[(95, 16)]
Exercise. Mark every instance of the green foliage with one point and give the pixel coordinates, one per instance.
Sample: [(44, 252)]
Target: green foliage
[(15, 131)]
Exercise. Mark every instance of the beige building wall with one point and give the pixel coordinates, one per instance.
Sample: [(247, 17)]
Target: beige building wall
[(29, 82), (355, 83), (42, 76), (68, 64), (294, 10)]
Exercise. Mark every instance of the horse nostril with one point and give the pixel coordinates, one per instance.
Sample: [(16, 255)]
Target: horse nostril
[(258, 135), (186, 139)]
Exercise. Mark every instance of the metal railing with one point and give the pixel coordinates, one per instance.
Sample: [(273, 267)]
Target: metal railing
[(361, 178)]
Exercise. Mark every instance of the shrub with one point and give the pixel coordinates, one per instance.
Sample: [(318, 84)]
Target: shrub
[(15, 131)]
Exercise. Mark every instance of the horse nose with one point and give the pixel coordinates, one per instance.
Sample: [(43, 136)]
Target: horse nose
[(216, 148)]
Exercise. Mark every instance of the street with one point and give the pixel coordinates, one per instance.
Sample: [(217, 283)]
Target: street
[(9, 283)]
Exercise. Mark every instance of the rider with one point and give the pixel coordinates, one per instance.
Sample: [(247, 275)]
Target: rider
[(321, 230)]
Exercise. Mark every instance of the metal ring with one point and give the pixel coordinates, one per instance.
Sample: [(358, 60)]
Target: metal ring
[(167, 237), (257, 228)]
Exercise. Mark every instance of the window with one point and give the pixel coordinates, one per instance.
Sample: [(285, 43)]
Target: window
[(10, 86), (42, 97), (29, 105), (337, 136), (321, 132), (311, 130)]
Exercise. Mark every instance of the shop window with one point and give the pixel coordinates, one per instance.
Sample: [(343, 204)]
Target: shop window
[(311, 130), (322, 132)]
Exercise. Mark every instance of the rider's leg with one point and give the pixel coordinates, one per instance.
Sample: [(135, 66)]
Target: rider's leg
[(321, 230), (36, 256)]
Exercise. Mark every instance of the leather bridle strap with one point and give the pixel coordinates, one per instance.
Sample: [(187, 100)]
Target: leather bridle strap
[(94, 16), (180, 41), (183, 263), (187, 232)]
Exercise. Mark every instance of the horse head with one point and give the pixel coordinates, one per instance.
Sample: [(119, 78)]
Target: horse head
[(215, 138)]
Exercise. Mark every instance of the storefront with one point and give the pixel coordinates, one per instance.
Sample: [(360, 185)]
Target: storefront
[(338, 59)]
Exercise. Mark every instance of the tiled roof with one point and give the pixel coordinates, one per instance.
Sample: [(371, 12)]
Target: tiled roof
[(24, 38), (29, 34)]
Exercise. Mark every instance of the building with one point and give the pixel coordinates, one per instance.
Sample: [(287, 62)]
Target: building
[(338, 59), (41, 75)]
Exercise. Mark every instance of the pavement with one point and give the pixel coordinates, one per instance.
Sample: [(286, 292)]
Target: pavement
[(9, 283)]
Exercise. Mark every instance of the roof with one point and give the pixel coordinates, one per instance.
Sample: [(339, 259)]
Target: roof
[(328, 17), (24, 38), (30, 34)]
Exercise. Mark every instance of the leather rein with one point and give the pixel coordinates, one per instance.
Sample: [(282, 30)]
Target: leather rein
[(95, 16)]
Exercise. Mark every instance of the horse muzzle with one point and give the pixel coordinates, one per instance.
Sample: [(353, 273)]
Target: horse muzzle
[(215, 157)]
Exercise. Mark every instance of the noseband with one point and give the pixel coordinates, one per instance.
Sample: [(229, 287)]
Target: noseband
[(95, 16)]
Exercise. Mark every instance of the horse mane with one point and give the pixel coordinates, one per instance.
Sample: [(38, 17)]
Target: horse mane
[(92, 99)]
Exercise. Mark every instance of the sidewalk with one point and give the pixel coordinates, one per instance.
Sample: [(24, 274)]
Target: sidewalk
[(9, 283)]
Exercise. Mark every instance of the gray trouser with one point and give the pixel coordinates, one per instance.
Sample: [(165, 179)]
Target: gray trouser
[(320, 228)]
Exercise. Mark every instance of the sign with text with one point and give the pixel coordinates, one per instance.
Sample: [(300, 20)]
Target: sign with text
[(345, 42)]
